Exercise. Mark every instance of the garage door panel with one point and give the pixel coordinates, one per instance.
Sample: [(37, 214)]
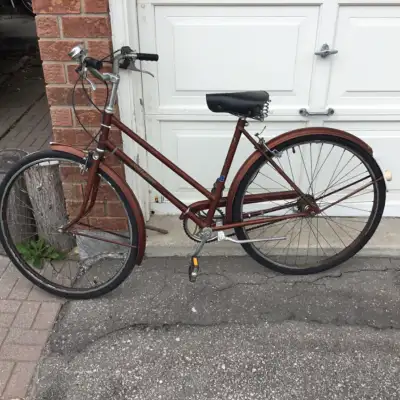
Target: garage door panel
[(365, 73), (384, 139), (200, 149), (215, 49)]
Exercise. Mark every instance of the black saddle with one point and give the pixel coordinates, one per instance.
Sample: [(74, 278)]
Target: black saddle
[(243, 104)]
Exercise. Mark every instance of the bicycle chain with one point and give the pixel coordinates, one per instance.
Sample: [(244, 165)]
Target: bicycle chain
[(229, 235)]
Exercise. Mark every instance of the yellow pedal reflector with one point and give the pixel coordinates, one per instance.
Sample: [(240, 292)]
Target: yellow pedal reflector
[(195, 261)]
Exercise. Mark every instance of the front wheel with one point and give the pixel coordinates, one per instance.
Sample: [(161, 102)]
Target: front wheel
[(340, 176), (42, 193)]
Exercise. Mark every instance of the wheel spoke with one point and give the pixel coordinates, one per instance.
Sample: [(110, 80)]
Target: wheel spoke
[(51, 258), (336, 175)]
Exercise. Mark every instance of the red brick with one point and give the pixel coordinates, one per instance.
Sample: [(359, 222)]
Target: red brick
[(54, 73), (79, 138), (73, 76), (61, 116), (19, 382), (99, 48), (47, 26), (46, 316), (28, 337), (95, 6), (56, 50), (72, 136), (17, 352), (88, 117), (73, 190), (72, 174), (26, 315), (99, 96), (57, 6), (115, 209), (86, 27), (106, 193), (6, 367), (116, 137), (98, 210), (62, 96), (109, 223)]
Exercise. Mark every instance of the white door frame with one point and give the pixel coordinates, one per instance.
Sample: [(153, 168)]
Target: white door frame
[(125, 33)]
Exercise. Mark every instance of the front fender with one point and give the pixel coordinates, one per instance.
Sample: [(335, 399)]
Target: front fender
[(132, 200), (276, 141)]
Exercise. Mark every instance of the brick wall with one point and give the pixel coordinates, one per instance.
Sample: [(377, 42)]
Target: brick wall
[(62, 24)]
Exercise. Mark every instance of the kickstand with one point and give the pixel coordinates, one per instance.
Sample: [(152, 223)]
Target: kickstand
[(159, 230)]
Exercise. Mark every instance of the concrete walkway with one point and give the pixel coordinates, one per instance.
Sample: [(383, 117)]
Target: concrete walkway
[(240, 332)]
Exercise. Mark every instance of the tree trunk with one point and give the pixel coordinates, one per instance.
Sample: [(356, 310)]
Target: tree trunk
[(47, 197), (20, 221)]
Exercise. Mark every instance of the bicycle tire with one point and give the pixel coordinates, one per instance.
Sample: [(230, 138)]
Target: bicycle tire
[(369, 230), (26, 270)]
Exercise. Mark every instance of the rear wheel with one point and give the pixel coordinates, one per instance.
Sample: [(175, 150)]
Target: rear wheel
[(327, 169), (43, 192)]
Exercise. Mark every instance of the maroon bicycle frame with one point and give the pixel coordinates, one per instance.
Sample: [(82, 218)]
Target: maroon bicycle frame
[(215, 198)]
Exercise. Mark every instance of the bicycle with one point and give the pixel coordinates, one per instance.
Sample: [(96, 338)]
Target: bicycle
[(59, 196)]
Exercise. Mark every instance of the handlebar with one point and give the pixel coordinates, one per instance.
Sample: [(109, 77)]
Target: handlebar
[(126, 54), (146, 57)]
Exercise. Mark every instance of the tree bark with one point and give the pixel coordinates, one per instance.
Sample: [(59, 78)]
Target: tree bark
[(48, 203)]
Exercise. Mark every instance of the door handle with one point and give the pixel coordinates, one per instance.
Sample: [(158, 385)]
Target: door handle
[(305, 113), (325, 51)]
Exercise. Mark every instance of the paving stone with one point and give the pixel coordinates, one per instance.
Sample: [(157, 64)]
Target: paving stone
[(6, 368), (19, 381), (9, 306), (26, 314), (6, 320), (46, 316), (27, 337), (17, 352), (21, 290)]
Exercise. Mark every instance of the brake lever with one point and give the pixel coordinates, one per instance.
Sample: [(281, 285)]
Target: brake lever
[(134, 68), (92, 84), (84, 74)]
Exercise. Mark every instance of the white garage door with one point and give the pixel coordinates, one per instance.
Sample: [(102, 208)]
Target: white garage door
[(215, 47)]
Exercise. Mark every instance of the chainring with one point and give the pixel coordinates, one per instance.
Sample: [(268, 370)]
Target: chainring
[(193, 233)]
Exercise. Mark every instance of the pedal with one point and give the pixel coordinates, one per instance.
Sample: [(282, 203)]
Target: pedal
[(194, 269)]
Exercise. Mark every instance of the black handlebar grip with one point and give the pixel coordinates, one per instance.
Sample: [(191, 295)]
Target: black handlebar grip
[(93, 63), (147, 57)]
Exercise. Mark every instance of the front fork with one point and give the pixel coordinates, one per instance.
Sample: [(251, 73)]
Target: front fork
[(92, 187)]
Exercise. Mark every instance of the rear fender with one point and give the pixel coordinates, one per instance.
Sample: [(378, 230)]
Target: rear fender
[(276, 141), (132, 200)]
